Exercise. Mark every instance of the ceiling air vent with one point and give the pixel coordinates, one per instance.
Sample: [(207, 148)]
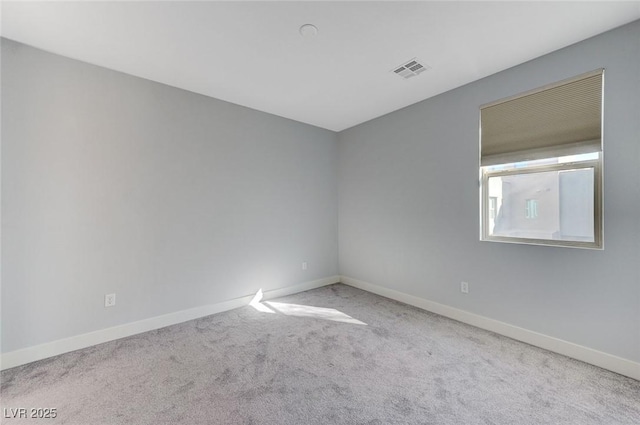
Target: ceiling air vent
[(411, 68)]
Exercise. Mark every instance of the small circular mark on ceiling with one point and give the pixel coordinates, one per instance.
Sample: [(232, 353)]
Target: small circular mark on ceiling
[(308, 30)]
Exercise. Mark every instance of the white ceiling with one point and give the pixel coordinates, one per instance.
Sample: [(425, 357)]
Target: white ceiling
[(251, 53)]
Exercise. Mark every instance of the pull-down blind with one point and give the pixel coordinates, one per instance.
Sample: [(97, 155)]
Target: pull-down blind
[(562, 119)]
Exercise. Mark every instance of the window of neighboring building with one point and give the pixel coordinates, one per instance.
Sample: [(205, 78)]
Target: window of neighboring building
[(541, 162), (531, 208), (493, 207)]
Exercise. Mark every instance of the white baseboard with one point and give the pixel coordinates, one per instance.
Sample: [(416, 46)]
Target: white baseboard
[(598, 358), (61, 346)]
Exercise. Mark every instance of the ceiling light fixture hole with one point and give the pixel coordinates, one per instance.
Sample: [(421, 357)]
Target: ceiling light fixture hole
[(308, 30)]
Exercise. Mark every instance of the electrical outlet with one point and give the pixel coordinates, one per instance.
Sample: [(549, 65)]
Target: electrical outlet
[(464, 287), (304, 266), (110, 300)]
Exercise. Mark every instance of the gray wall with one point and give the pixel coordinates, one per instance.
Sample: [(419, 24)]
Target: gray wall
[(172, 200), (409, 220)]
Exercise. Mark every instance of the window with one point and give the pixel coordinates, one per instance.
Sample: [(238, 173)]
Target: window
[(531, 209), (493, 207), (540, 164)]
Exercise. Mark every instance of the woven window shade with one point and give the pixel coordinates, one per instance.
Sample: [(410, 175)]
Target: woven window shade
[(562, 119)]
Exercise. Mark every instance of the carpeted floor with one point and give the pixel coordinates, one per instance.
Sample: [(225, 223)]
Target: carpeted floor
[(369, 361)]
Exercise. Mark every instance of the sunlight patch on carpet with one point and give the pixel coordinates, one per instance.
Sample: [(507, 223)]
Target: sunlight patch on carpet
[(315, 312), (301, 310), (255, 303)]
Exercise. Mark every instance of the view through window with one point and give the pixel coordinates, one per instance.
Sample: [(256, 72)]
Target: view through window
[(543, 203)]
